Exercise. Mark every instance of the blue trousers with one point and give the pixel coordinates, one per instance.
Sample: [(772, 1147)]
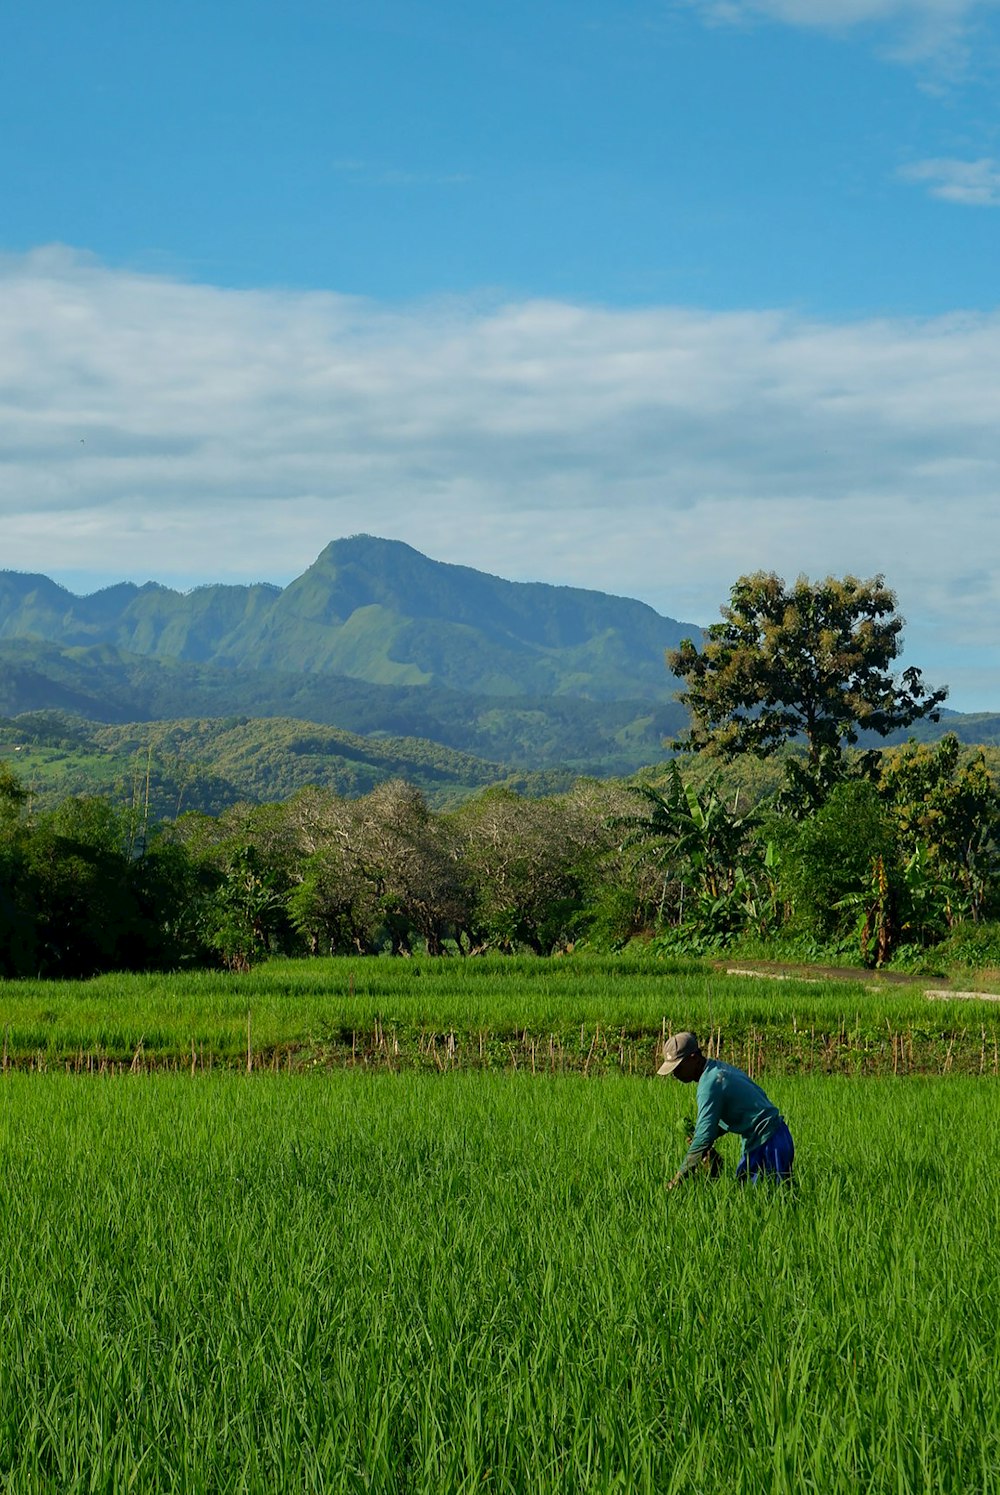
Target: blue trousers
[(773, 1159)]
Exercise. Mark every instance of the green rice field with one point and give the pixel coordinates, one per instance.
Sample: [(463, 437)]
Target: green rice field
[(593, 1014), (453, 1281), (392, 1226)]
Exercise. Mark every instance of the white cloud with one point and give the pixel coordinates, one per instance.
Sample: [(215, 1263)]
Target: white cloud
[(918, 30), (971, 183), (151, 428)]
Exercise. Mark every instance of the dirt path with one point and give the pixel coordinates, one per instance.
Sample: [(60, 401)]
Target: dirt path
[(782, 971), (771, 970)]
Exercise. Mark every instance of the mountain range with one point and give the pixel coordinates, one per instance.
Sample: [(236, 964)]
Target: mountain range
[(397, 664), (373, 610), (375, 640)]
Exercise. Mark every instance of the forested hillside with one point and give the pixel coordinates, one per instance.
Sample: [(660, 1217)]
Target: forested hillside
[(210, 764), (783, 831), (900, 858), (100, 683), (374, 640)]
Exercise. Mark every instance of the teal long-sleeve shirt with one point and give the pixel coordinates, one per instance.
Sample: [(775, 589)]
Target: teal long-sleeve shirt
[(729, 1101)]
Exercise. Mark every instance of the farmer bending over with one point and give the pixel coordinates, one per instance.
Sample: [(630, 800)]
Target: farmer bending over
[(728, 1101)]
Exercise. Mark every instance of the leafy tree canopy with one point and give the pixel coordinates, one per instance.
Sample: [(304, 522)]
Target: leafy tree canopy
[(809, 661)]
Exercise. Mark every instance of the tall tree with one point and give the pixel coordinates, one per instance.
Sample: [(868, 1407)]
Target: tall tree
[(810, 661), (408, 856)]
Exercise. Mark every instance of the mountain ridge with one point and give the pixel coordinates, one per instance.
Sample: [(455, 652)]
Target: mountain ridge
[(390, 663), (375, 610)]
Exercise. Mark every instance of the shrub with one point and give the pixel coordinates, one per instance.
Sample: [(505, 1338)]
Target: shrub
[(827, 860)]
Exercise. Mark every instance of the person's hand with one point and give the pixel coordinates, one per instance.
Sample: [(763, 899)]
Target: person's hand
[(672, 1183)]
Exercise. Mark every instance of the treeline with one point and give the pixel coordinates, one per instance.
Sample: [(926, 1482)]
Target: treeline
[(897, 855), (86, 887)]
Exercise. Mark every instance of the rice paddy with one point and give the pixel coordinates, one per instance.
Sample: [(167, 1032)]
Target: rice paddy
[(593, 1014), (351, 1281)]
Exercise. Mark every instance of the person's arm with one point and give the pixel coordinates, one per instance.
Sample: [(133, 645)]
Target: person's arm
[(706, 1131)]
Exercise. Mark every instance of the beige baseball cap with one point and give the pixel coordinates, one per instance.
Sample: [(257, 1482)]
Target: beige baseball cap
[(675, 1050)]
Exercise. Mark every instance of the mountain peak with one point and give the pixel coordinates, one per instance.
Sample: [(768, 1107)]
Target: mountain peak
[(377, 610)]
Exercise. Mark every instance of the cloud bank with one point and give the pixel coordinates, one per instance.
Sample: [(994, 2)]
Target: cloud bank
[(153, 428)]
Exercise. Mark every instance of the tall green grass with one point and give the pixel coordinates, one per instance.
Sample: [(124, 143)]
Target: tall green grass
[(477, 1282)]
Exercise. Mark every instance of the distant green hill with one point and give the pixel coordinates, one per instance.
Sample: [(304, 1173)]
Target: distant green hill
[(973, 727), (374, 610), (211, 764), (103, 684)]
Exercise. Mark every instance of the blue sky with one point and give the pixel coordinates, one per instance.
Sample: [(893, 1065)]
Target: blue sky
[(628, 295)]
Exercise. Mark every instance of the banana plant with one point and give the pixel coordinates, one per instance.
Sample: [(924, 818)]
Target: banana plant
[(699, 842)]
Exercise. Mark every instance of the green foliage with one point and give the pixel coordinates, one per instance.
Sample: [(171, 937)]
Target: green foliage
[(972, 945), (897, 849), (13, 795), (615, 914), (245, 917), (171, 767), (43, 681), (81, 891), (705, 853), (947, 814), (81, 895), (333, 906), (825, 863), (527, 863), (811, 661)]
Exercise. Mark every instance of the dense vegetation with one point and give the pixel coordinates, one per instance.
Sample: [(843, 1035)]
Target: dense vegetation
[(373, 640), (899, 858), (423, 1283), (813, 662), (211, 765)]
